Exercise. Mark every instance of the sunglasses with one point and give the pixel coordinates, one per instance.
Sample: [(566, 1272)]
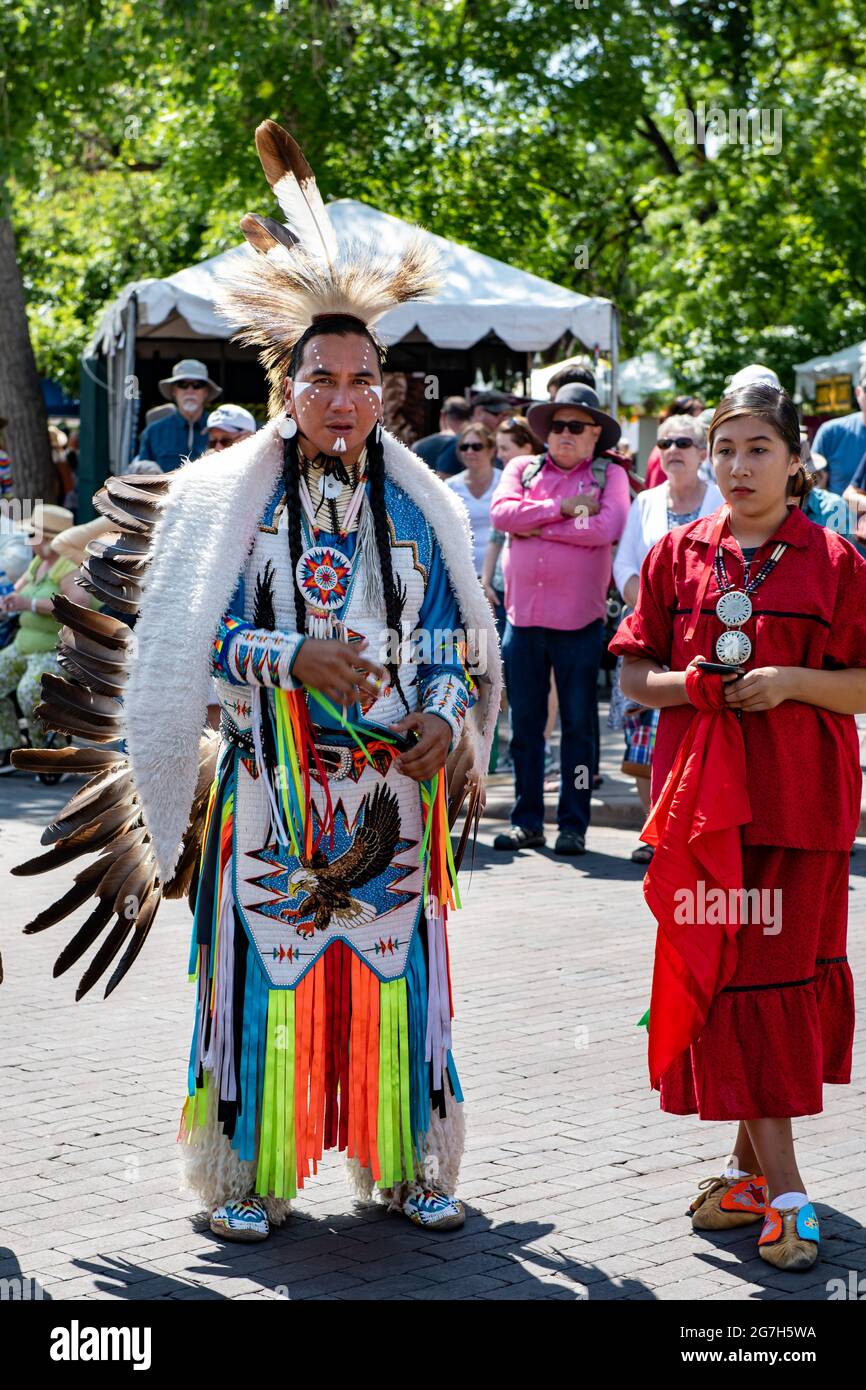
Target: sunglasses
[(682, 442), (476, 448), (573, 426), (192, 385)]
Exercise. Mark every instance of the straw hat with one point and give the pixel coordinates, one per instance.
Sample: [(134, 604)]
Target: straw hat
[(49, 520)]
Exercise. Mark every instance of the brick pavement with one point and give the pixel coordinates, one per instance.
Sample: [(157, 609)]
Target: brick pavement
[(576, 1184)]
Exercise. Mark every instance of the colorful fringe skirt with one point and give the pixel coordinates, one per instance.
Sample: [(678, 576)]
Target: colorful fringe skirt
[(345, 1060)]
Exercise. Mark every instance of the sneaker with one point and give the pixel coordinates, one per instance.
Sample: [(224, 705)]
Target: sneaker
[(570, 842), (723, 1203), (242, 1219), (519, 838), (790, 1237), (434, 1210)]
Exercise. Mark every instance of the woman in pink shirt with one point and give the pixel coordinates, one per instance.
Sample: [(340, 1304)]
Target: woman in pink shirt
[(563, 512)]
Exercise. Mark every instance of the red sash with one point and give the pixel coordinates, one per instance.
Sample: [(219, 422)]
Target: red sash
[(695, 828)]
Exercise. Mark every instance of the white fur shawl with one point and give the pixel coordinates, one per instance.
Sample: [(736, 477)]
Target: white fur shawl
[(207, 525)]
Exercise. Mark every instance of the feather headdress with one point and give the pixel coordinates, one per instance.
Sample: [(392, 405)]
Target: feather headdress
[(292, 274)]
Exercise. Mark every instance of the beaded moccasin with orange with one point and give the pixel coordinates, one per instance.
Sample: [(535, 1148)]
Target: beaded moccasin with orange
[(723, 1203), (790, 1237)]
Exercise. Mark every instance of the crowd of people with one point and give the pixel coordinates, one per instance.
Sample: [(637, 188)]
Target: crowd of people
[(549, 575), (562, 524)]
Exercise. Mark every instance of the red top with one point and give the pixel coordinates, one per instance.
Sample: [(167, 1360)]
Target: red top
[(803, 762), (655, 474)]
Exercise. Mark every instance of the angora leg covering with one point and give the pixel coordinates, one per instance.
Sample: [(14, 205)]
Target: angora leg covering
[(439, 1159), (213, 1170)]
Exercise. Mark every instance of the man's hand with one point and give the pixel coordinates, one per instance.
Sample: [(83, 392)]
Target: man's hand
[(584, 504), (764, 688), (429, 754), (338, 670)]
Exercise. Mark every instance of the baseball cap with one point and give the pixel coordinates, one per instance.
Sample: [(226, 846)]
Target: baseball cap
[(231, 417), (753, 375)]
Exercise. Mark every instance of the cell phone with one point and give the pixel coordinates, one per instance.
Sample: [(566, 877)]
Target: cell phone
[(402, 741), (719, 668)]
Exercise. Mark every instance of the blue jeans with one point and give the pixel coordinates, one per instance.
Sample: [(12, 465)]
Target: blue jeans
[(530, 653)]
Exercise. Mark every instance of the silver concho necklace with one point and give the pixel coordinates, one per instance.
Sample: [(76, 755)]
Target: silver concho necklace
[(734, 606)]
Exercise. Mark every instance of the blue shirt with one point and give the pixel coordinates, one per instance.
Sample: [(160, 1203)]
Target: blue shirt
[(828, 509), (172, 439), (843, 444)]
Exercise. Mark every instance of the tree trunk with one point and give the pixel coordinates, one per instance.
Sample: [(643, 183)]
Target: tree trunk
[(33, 475)]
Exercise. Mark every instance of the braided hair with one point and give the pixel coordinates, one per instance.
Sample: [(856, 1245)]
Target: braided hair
[(394, 598), (292, 485)]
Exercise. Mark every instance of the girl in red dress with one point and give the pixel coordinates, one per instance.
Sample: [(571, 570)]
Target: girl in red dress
[(756, 801)]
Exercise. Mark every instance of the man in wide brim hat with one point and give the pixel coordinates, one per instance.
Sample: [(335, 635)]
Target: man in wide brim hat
[(182, 434), (562, 512), (189, 369), (575, 401)]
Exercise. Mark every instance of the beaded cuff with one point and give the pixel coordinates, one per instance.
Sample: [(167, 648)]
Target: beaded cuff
[(446, 695), (247, 655)]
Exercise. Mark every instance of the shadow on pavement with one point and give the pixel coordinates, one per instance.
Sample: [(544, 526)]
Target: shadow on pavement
[(312, 1258)]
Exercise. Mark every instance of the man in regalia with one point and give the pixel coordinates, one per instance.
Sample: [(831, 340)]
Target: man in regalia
[(323, 578)]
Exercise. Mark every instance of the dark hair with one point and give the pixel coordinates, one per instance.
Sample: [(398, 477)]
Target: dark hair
[(395, 599), (337, 326), (767, 403), (569, 376), (682, 405), (517, 428), (457, 407)]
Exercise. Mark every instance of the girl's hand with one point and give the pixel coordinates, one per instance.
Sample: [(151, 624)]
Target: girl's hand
[(764, 688), (489, 595)]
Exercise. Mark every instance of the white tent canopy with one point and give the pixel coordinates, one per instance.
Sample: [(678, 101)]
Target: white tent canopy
[(479, 295), (648, 374), (847, 361)]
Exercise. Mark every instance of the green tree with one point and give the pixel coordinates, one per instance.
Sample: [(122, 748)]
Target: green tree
[(526, 128)]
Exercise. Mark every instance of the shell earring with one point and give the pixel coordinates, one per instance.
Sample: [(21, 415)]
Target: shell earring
[(378, 433), (287, 427)]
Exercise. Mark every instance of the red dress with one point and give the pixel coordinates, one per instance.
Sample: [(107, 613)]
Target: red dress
[(784, 1022)]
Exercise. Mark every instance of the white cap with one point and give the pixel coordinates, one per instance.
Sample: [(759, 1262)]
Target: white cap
[(231, 417), (753, 375)]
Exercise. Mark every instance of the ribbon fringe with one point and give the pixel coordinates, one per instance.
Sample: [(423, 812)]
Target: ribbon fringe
[(345, 1059)]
